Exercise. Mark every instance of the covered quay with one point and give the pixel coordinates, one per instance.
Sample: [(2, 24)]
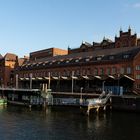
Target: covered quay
[(82, 84), (90, 68)]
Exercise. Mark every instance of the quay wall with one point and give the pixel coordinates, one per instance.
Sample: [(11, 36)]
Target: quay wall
[(124, 102)]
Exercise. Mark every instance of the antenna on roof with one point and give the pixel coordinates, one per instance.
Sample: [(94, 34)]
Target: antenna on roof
[(129, 29), (68, 47), (120, 29), (83, 42)]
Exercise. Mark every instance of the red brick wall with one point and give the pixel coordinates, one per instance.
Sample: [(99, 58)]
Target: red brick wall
[(126, 40), (136, 72)]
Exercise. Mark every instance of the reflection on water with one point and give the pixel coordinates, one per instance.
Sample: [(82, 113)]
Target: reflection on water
[(65, 123)]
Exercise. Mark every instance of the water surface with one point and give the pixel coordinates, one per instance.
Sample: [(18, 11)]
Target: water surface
[(65, 123)]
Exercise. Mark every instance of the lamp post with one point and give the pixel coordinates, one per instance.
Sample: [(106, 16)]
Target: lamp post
[(31, 75), (49, 80), (118, 84), (72, 82), (81, 90), (16, 81), (103, 86)]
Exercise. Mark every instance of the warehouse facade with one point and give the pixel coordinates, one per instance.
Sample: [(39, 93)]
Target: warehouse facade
[(92, 67)]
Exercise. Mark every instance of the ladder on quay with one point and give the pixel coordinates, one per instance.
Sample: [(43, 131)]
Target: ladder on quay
[(100, 102)]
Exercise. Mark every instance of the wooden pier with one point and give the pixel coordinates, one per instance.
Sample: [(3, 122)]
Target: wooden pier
[(22, 97), (88, 101)]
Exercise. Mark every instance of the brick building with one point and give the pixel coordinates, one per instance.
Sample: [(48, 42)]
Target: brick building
[(91, 67), (47, 53), (8, 63)]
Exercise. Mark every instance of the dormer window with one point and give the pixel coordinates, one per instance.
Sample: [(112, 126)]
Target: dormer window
[(77, 60), (111, 57), (67, 61), (87, 59), (40, 62), (126, 56), (99, 58)]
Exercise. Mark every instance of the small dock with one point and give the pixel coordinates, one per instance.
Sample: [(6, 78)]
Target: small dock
[(103, 101), (22, 97), (126, 103), (88, 101)]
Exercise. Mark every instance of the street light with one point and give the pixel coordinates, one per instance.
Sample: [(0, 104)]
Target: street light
[(49, 81), (118, 84), (103, 86), (81, 100), (16, 80), (31, 75), (72, 82), (81, 90)]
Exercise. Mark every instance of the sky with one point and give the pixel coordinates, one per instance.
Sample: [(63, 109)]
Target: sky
[(31, 25)]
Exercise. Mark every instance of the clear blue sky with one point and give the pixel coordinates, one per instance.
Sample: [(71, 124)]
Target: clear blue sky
[(31, 25)]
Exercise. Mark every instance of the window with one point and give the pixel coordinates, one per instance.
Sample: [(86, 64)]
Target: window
[(126, 56), (122, 70), (88, 71), (77, 72), (95, 71), (108, 71), (84, 72), (114, 70), (138, 86), (68, 73), (137, 67), (99, 58), (128, 70), (87, 59), (65, 73), (111, 57), (67, 61), (77, 60), (138, 76), (101, 71)]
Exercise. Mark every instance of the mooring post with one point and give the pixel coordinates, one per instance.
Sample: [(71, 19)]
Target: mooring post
[(30, 106), (88, 111), (105, 108), (97, 109)]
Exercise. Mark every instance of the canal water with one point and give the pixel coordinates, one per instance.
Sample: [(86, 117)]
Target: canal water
[(65, 123)]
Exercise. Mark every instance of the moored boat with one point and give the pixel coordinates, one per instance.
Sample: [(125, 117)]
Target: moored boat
[(3, 101)]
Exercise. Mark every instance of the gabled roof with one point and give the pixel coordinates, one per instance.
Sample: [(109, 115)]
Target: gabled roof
[(10, 56), (127, 53), (86, 43), (119, 54), (1, 57), (107, 40)]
